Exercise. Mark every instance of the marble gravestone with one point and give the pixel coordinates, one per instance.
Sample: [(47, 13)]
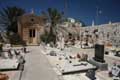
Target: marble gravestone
[(99, 53), (98, 59)]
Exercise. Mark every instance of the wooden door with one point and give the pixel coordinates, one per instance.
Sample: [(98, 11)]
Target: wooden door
[(32, 36)]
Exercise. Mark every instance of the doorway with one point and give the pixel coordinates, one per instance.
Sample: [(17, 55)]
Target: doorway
[(32, 36)]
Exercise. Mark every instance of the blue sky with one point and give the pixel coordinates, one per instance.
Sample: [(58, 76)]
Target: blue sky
[(84, 10)]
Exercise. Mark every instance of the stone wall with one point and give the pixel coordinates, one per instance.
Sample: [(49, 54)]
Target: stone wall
[(108, 33)]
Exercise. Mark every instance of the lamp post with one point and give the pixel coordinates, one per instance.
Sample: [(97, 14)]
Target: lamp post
[(98, 12), (65, 7)]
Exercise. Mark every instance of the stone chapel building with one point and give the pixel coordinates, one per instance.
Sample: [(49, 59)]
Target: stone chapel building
[(30, 27)]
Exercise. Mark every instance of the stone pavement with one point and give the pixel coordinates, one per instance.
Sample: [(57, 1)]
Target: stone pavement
[(37, 66)]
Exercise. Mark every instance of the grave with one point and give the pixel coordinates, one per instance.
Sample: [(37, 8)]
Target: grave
[(115, 70), (117, 53), (75, 67), (98, 60), (6, 47), (9, 64)]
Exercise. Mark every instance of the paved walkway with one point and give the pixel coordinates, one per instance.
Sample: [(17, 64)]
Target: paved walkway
[(37, 67)]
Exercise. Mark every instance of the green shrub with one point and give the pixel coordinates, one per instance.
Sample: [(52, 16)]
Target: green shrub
[(48, 37), (15, 39)]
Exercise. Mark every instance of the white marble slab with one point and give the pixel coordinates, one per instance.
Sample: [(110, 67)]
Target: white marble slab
[(8, 64), (69, 67)]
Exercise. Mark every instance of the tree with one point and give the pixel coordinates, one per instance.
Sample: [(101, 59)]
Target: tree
[(54, 17), (9, 17)]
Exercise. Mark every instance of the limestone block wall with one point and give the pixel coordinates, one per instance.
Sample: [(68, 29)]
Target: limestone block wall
[(108, 33)]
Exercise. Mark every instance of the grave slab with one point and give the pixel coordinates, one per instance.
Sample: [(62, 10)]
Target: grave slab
[(76, 67), (8, 64)]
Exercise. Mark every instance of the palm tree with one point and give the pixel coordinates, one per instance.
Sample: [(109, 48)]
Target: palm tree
[(9, 17), (54, 17)]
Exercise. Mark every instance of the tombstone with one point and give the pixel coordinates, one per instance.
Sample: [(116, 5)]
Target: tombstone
[(91, 74), (98, 59), (115, 70), (21, 62), (99, 53), (16, 52), (20, 52), (53, 53), (117, 53), (48, 45), (10, 54), (58, 44), (84, 57), (5, 55), (25, 50)]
